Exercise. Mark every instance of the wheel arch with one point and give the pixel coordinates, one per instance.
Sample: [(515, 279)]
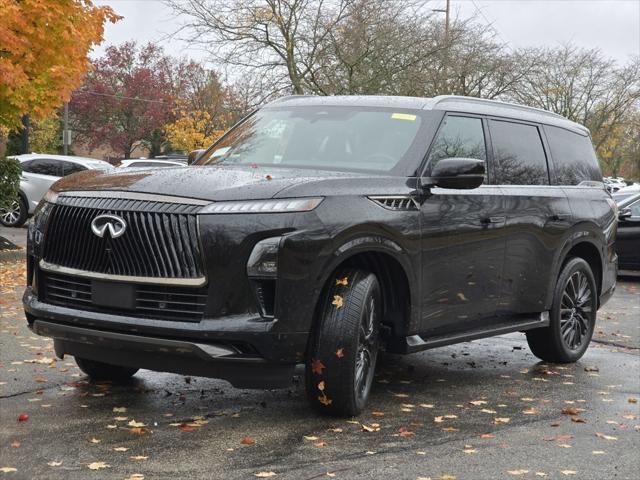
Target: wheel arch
[(391, 265), (585, 246)]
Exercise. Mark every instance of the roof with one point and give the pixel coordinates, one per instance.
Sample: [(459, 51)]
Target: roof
[(449, 103), (70, 158)]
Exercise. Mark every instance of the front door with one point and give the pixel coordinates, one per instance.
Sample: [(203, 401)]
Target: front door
[(462, 238)]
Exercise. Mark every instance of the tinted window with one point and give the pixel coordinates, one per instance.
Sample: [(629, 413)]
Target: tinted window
[(69, 167), (574, 160), (458, 137), (635, 209), (45, 166), (519, 154)]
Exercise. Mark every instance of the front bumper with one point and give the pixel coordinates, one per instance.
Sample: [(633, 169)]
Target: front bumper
[(242, 350)]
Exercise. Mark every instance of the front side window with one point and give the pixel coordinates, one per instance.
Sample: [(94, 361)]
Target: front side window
[(458, 137), (519, 157), (323, 137), (574, 159), (46, 166)]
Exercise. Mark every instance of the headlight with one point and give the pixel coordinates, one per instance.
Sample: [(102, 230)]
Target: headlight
[(50, 196), (264, 206)]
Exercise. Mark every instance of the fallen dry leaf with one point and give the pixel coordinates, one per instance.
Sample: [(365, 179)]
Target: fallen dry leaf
[(247, 441), (8, 469), (95, 440), (568, 472), (98, 466), (120, 449), (54, 463), (517, 472), (317, 366), (135, 424), (337, 301), (23, 417), (264, 474), (342, 281), (606, 437), (340, 353), (498, 420), (119, 409), (138, 457)]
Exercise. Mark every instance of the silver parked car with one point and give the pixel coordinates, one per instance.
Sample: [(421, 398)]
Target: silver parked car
[(39, 172)]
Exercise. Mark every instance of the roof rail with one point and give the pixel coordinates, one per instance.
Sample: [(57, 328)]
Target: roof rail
[(289, 97), (482, 101)]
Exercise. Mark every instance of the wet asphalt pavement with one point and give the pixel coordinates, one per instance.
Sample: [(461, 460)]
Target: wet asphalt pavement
[(481, 410)]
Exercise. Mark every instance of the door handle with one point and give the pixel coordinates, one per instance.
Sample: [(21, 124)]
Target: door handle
[(559, 217), (490, 220)]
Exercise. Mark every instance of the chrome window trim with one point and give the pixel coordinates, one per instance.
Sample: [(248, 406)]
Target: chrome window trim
[(189, 282)]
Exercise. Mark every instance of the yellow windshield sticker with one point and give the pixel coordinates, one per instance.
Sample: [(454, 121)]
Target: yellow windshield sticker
[(403, 116)]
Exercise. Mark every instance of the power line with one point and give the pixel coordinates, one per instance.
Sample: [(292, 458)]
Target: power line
[(491, 24), (117, 96)]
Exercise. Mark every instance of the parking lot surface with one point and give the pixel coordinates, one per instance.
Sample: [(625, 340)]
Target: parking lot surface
[(481, 410)]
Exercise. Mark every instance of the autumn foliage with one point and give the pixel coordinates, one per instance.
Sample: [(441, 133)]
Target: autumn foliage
[(43, 53)]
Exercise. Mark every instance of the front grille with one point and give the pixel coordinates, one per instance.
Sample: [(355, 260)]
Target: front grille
[(151, 301), (160, 241)]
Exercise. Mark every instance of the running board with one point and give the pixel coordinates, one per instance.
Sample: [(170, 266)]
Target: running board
[(415, 343)]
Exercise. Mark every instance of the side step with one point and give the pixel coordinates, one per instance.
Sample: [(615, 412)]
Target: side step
[(415, 343)]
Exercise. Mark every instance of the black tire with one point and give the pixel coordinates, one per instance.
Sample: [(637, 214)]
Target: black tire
[(572, 316), (105, 371), (16, 215), (344, 345)]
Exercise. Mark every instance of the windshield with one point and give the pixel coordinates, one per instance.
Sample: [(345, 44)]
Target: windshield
[(332, 138)]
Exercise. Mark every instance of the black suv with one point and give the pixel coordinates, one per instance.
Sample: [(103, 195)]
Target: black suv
[(321, 229)]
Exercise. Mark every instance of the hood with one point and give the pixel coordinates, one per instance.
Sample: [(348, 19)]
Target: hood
[(213, 183)]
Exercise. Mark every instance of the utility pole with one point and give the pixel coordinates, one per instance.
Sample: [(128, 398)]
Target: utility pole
[(445, 68), (446, 12), (66, 138), (24, 135)]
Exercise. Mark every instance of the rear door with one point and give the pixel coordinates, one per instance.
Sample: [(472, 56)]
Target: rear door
[(538, 214), (463, 242)]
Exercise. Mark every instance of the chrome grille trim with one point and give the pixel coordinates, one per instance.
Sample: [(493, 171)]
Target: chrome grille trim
[(151, 197), (187, 282)]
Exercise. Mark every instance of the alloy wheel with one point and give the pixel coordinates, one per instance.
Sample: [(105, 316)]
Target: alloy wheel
[(367, 350), (11, 215), (576, 310)]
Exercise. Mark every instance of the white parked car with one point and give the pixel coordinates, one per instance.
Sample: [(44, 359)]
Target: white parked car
[(39, 172), (150, 163)]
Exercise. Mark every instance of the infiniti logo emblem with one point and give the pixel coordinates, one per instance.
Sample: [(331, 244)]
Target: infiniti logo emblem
[(116, 225)]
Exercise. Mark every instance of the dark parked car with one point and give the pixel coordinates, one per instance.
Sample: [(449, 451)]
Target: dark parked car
[(628, 238), (322, 229)]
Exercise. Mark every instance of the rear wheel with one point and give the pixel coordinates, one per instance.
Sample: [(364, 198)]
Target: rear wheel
[(572, 316), (342, 356), (105, 371), (15, 215)]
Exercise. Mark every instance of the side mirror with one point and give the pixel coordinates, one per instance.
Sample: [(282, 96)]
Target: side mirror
[(194, 155), (624, 213), (460, 173)]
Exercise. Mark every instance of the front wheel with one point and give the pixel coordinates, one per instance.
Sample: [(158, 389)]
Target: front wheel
[(572, 316), (105, 371), (341, 358)]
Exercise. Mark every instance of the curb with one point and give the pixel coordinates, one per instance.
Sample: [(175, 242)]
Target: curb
[(13, 255)]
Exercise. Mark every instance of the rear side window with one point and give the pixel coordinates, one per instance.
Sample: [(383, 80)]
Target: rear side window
[(70, 167), (458, 137), (45, 166), (519, 157), (574, 160)]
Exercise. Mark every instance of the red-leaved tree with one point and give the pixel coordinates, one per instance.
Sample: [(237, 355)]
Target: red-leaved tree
[(125, 100)]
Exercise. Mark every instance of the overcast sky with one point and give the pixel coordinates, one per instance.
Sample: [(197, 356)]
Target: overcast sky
[(611, 25)]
